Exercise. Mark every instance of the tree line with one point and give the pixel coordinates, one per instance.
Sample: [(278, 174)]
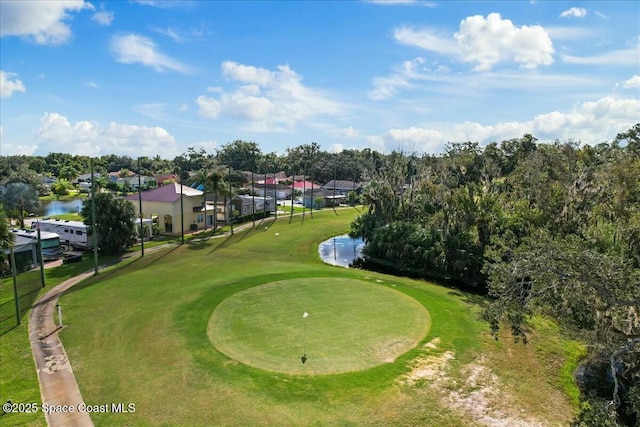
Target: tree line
[(551, 229), (306, 159)]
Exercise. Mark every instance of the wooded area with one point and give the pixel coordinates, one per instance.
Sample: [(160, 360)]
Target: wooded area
[(551, 229)]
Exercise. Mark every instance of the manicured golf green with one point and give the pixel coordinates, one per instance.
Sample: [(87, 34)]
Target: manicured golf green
[(350, 325)]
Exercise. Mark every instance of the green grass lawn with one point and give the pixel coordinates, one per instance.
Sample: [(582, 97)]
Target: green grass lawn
[(265, 326), (18, 378), (142, 334)]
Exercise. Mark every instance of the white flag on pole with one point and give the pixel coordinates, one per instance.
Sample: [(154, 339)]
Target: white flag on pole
[(304, 316)]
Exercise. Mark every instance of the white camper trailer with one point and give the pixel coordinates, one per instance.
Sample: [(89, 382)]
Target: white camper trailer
[(72, 233)]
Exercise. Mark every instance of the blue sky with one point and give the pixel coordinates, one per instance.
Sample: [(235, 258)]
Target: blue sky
[(156, 77)]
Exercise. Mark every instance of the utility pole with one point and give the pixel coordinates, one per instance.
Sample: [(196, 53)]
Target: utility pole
[(230, 204), (93, 221), (15, 283), (42, 278), (140, 203), (275, 193), (181, 209)]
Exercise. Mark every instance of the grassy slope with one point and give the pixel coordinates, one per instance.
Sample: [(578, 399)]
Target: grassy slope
[(140, 336)]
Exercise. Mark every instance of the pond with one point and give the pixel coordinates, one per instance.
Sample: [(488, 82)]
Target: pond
[(59, 207), (341, 250)]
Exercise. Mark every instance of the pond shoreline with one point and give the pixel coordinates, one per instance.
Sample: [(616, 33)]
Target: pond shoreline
[(341, 250)]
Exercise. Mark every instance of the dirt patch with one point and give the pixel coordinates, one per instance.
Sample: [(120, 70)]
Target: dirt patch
[(386, 352), (477, 392)]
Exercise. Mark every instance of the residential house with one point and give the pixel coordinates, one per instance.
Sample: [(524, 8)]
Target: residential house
[(271, 178), (113, 176), (165, 178), (246, 205), (321, 198), (163, 204), (280, 191), (304, 185), (85, 177), (132, 182), (83, 182), (47, 182), (342, 186)]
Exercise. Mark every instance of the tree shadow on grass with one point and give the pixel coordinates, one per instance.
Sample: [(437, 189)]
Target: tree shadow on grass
[(26, 298), (472, 299), (223, 243), (140, 262)]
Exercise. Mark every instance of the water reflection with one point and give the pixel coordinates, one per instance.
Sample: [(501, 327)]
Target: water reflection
[(340, 250), (59, 207)]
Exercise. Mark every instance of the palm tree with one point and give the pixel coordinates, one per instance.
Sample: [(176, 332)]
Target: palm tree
[(100, 182), (201, 177), (178, 172), (215, 179)]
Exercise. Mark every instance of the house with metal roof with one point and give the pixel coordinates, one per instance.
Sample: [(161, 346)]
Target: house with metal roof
[(163, 205), (342, 186), (321, 197)]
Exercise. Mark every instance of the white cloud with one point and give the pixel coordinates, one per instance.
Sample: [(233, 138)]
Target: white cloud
[(590, 122), (182, 35), (571, 33), (336, 148), (614, 57), (349, 132), (10, 84), (165, 4), (415, 75), (493, 40), (133, 48), (90, 138), (44, 22), (404, 76), (208, 146), (414, 139), (10, 149), (632, 82), (209, 107), (427, 39), (269, 100), (171, 33), (574, 12), (248, 73), (91, 84), (103, 17), (486, 42)]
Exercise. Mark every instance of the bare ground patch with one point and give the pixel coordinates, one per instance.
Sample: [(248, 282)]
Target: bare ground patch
[(476, 392)]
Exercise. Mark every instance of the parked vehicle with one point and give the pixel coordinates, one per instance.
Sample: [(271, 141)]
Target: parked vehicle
[(72, 233)]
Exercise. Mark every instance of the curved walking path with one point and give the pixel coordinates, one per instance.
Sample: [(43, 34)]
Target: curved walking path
[(58, 385)]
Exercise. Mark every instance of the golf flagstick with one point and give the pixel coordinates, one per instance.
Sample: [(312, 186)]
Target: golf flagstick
[(304, 356)]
